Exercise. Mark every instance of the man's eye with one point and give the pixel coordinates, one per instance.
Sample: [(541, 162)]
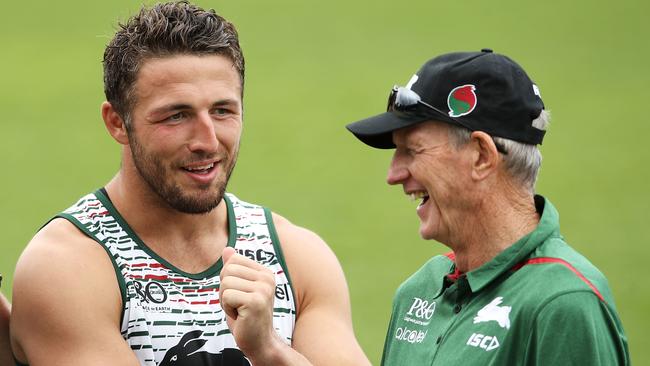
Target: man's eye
[(221, 111), (176, 117)]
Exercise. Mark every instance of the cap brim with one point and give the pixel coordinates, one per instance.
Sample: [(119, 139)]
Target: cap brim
[(377, 131)]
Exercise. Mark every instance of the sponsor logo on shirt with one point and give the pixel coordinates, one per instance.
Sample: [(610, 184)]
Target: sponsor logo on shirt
[(151, 292), (282, 292), (488, 343), (494, 312), (410, 335), (259, 255), (152, 296), (421, 311)]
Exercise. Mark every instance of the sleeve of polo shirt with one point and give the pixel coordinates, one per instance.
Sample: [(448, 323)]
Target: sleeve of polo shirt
[(575, 329)]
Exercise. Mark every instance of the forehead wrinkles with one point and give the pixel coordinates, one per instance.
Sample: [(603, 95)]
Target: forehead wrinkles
[(425, 138), (417, 135)]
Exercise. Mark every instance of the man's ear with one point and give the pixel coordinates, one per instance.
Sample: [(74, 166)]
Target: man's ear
[(486, 158), (114, 124)]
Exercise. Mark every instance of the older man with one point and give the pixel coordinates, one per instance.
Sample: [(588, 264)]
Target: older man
[(512, 292)]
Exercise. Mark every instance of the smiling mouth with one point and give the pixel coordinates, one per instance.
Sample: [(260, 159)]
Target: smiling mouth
[(200, 169), (423, 195)]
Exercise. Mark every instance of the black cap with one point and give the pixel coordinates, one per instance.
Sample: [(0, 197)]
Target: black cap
[(481, 91)]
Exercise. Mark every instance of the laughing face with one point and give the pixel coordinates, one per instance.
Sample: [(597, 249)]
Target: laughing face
[(429, 168), (185, 129)]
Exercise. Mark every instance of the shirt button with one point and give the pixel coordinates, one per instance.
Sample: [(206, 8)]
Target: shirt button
[(457, 308), (439, 339)]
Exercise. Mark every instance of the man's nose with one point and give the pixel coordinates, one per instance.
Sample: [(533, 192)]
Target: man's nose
[(397, 172), (204, 134)]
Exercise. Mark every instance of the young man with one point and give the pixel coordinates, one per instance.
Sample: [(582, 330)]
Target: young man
[(465, 131), (133, 273)]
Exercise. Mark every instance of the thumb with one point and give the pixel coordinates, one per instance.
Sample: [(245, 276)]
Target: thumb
[(227, 253)]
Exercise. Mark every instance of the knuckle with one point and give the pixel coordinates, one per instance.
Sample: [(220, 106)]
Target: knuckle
[(225, 283), (258, 300), (268, 276)]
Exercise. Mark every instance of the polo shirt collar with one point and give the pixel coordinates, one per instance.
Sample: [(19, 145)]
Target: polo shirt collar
[(548, 225)]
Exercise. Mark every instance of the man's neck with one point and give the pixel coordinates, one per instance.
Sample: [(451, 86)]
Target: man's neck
[(191, 242), (496, 222)]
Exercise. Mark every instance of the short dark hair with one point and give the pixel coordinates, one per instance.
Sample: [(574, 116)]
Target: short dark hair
[(163, 30)]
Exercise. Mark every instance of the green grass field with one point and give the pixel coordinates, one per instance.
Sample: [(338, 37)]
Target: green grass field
[(313, 66)]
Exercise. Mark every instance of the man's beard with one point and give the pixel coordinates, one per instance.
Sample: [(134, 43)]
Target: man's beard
[(152, 170)]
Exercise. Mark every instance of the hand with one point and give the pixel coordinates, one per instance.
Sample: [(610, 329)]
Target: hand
[(247, 292)]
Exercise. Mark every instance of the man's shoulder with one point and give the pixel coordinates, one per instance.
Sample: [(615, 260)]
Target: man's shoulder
[(60, 275), (303, 250), (562, 270), (235, 201), (428, 278), (436, 266), (58, 248), (62, 236), (295, 237)]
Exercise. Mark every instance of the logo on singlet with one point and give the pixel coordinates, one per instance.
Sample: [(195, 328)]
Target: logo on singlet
[(152, 292), (260, 256), (152, 296), (282, 292), (188, 352)]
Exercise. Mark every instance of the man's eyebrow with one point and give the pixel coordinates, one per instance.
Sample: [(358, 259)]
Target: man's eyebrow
[(182, 106), (170, 107), (225, 102)]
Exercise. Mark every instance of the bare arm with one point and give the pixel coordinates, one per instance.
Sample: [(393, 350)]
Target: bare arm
[(5, 348), (66, 302), (323, 334)]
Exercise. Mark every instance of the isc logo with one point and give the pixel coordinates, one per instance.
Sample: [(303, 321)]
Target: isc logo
[(487, 343)]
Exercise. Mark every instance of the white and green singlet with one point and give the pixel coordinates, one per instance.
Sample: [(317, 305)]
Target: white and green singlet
[(171, 317)]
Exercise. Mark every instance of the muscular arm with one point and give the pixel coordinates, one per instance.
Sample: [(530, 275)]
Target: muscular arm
[(576, 329), (5, 349), (66, 302), (323, 333)]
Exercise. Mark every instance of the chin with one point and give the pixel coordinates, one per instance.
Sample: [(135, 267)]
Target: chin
[(431, 231), (425, 233)]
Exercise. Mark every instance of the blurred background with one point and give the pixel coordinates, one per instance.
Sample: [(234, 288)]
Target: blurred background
[(312, 67)]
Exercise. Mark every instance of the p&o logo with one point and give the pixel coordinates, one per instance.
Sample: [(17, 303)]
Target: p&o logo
[(420, 312), (421, 309)]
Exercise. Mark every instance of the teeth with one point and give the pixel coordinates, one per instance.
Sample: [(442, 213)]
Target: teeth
[(417, 195), (204, 167)]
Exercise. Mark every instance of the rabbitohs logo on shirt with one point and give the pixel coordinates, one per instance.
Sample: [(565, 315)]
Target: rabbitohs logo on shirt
[(462, 100), (494, 312)]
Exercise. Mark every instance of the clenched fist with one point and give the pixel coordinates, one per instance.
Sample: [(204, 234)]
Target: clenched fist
[(247, 293)]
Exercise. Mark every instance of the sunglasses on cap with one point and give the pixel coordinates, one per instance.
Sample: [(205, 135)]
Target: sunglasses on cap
[(402, 99)]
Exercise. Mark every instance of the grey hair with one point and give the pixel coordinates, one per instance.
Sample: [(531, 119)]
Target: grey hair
[(522, 161)]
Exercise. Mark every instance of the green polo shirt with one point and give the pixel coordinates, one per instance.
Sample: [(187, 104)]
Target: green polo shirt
[(538, 302)]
